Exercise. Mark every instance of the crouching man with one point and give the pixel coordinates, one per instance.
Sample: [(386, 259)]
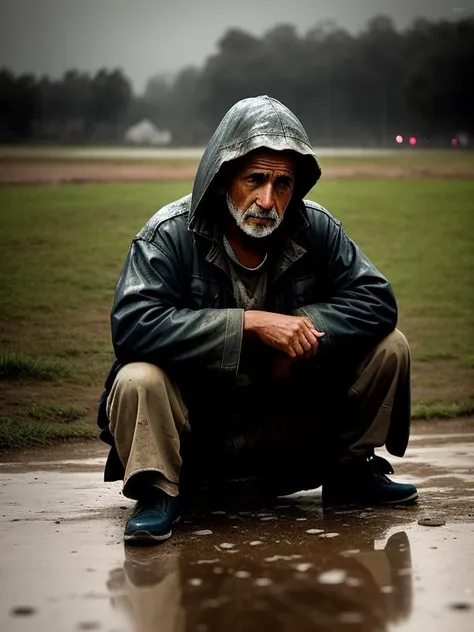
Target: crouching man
[(250, 331)]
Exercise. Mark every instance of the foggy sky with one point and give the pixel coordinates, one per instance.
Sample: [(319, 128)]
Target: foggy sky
[(147, 37)]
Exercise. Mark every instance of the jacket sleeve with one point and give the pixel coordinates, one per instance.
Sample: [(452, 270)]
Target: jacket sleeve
[(360, 308), (151, 323)]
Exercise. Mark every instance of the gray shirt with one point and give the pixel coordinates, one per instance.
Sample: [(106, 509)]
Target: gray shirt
[(250, 284)]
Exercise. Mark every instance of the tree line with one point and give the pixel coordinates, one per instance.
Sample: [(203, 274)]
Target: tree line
[(346, 88)]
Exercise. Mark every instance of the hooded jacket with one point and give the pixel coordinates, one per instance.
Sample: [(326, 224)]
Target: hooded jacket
[(174, 304)]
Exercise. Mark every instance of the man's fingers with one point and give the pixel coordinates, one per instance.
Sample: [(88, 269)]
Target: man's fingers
[(311, 337), (305, 341), (311, 327), (298, 347)]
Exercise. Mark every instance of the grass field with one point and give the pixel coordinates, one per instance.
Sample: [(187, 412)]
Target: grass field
[(62, 247)]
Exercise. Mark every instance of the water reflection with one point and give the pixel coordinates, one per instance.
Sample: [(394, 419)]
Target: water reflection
[(323, 586)]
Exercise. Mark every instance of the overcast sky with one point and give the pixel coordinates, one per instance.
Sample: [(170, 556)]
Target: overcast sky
[(147, 37)]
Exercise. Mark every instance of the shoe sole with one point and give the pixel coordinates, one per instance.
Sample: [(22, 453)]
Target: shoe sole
[(145, 537), (354, 503)]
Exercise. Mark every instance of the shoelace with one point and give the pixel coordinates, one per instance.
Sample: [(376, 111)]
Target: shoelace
[(380, 467)]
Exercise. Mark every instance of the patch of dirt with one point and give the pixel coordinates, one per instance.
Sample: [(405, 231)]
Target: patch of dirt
[(14, 396), (442, 379), (62, 172)]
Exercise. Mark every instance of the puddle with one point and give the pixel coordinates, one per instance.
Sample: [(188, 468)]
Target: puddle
[(64, 566)]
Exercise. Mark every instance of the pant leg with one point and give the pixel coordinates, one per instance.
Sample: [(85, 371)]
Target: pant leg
[(378, 402), (319, 428), (147, 418)]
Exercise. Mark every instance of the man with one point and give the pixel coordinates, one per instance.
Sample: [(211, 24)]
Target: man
[(252, 335)]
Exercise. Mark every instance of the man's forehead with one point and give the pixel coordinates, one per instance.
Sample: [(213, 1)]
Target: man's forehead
[(267, 159)]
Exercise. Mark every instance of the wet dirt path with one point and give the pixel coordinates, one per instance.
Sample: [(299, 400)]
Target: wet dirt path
[(290, 566)]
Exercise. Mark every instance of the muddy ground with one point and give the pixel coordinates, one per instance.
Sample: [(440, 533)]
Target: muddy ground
[(71, 171), (242, 564)]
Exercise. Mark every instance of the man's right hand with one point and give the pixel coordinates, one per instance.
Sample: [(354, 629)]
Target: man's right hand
[(293, 335)]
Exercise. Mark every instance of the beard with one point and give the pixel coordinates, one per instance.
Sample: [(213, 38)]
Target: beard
[(255, 232)]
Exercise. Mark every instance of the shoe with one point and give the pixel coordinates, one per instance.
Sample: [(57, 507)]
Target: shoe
[(153, 518), (366, 483)]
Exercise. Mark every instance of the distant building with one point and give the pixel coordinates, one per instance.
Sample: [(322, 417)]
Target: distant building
[(146, 133)]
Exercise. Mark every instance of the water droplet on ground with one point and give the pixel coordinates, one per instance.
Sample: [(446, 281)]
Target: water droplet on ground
[(195, 581), (335, 576), (263, 581)]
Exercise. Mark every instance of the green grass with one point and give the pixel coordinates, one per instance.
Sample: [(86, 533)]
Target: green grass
[(420, 233), (62, 248), (17, 367), (43, 424), (442, 410)]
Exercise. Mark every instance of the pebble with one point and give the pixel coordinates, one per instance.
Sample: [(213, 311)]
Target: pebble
[(255, 542), (242, 574), (313, 531), (202, 532), (303, 567), (276, 558), (22, 611), (196, 581), (332, 577), (263, 581), (461, 605), (329, 535), (428, 521), (226, 545)]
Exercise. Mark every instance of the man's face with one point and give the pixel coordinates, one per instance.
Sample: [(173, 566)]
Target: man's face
[(260, 192)]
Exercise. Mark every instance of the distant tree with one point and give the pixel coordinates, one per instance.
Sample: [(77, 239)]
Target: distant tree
[(109, 97), (439, 83), (20, 105)]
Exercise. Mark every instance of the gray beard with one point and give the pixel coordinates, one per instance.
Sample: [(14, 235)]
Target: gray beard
[(254, 230)]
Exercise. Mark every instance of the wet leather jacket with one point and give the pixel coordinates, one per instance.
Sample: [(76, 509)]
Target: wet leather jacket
[(174, 304)]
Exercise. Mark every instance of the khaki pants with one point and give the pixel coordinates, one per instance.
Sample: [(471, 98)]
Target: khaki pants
[(149, 419)]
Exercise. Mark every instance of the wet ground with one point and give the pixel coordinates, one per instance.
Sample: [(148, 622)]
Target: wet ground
[(288, 566)]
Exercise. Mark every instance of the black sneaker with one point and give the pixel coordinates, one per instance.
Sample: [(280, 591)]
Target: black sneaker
[(366, 483), (152, 518)]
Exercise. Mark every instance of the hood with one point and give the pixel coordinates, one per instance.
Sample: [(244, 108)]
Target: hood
[(250, 124)]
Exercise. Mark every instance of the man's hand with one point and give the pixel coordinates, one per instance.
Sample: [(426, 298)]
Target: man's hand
[(293, 335)]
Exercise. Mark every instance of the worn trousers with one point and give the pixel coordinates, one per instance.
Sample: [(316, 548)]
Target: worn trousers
[(149, 422)]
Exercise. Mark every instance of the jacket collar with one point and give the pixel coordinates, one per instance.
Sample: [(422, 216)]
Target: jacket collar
[(291, 252)]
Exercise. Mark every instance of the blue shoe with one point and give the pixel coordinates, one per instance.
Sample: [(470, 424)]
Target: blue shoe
[(366, 483), (153, 518)]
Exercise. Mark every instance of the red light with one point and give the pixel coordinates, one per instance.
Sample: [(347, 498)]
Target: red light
[(399, 139), (412, 141), (454, 142)]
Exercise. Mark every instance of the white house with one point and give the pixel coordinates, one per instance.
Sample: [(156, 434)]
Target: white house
[(146, 133)]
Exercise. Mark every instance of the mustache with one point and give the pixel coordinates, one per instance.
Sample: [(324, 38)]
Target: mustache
[(255, 212)]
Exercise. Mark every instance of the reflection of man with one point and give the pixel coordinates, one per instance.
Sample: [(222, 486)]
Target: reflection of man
[(366, 588), (149, 591), (246, 324)]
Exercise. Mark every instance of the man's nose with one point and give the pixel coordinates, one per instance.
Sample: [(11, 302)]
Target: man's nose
[(265, 197)]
